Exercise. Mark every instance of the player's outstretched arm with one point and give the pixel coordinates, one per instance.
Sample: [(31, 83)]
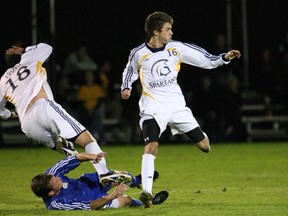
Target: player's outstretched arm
[(94, 158), (15, 50)]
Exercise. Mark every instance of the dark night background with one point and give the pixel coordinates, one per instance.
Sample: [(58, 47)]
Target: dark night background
[(110, 28)]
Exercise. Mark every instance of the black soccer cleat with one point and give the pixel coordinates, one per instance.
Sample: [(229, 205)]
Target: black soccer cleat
[(137, 180), (156, 175), (160, 197), (67, 147)]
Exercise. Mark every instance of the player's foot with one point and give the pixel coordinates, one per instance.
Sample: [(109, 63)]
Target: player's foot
[(67, 147), (137, 180), (146, 199), (156, 175), (160, 197), (115, 176)]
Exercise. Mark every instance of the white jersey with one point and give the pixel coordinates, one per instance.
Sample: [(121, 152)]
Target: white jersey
[(20, 84), (158, 70)]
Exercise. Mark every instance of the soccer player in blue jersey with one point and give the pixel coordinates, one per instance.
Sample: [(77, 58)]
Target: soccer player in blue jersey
[(60, 192), (157, 63)]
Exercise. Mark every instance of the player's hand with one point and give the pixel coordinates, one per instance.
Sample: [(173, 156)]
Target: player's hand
[(232, 54), (15, 50), (98, 157), (126, 94), (117, 191), (121, 188)]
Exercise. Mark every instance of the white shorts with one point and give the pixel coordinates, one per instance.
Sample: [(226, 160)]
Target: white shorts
[(46, 120), (112, 204), (180, 121)]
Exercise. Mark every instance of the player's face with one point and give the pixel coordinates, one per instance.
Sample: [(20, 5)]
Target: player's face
[(166, 33), (55, 184)]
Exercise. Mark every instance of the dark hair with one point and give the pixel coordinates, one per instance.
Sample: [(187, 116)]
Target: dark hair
[(155, 21), (12, 60), (40, 185)]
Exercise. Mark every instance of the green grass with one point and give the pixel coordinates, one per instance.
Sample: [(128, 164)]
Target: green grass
[(234, 179)]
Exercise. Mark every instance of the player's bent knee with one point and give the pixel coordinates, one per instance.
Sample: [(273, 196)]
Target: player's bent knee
[(84, 139), (196, 135)]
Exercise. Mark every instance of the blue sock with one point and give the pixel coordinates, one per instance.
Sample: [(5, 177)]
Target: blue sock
[(135, 202), (136, 181)]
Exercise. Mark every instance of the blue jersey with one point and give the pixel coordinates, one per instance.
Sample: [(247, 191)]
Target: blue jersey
[(76, 194)]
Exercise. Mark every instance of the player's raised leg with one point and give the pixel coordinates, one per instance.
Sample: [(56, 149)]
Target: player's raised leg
[(200, 138)]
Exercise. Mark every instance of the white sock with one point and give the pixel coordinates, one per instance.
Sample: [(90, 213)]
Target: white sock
[(100, 167), (147, 172)]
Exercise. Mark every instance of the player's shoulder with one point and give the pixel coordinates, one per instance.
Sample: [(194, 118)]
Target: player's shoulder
[(137, 49), (176, 44), (179, 43), (186, 46), (10, 71)]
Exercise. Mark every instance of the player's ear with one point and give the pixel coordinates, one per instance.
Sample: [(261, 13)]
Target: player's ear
[(51, 193), (155, 32)]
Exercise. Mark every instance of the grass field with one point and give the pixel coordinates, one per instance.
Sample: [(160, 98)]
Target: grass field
[(234, 179)]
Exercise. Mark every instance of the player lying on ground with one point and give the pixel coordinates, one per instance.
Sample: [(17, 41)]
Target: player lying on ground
[(43, 120), (85, 193)]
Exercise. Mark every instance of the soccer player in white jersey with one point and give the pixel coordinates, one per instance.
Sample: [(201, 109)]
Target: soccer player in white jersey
[(42, 119), (157, 64)]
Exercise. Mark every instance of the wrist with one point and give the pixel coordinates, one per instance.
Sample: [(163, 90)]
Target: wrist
[(110, 197), (224, 58), (126, 89)]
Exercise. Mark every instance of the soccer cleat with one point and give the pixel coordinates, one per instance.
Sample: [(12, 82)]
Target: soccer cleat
[(115, 176), (160, 197), (146, 198), (156, 175), (67, 147), (137, 180)]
